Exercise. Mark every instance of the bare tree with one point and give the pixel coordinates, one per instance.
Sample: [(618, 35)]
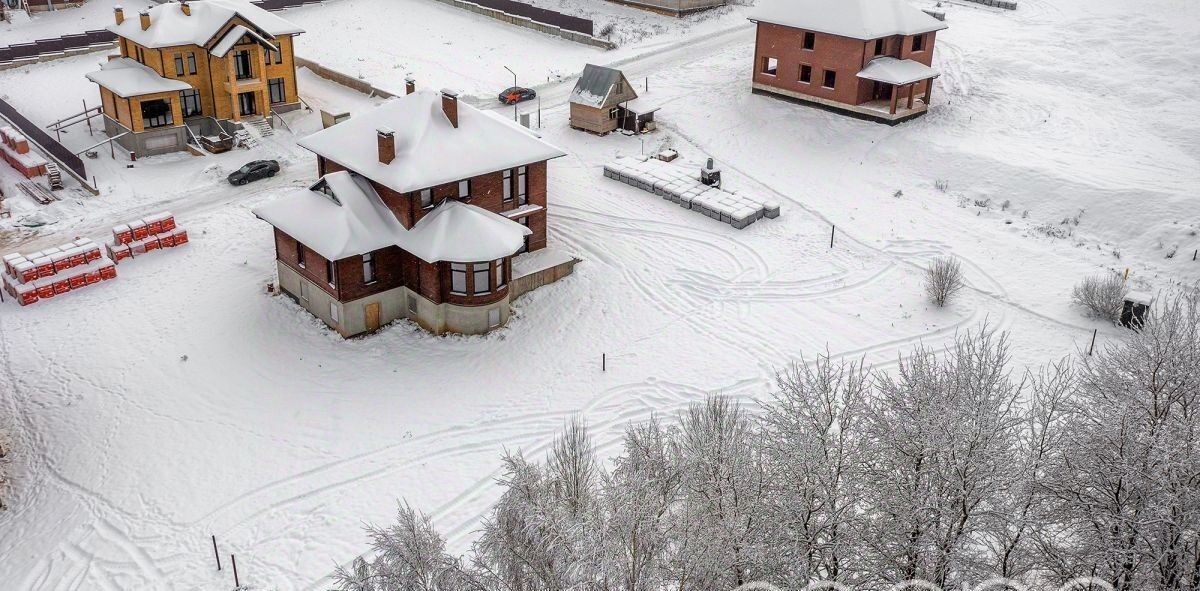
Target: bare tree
[(1102, 295), (409, 555), (943, 279), (813, 455)]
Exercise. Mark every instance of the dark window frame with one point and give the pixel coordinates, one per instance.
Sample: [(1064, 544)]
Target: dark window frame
[(369, 269), (279, 84), (507, 181), (810, 41), (465, 183), (829, 80), (805, 76), (483, 270), (179, 71), (191, 61), (425, 197), (160, 119), (190, 101), (769, 66), (459, 270), (918, 43), (879, 47), (300, 262), (243, 69), (331, 273)]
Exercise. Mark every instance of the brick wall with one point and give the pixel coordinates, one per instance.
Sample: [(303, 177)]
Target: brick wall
[(314, 264), (842, 55)]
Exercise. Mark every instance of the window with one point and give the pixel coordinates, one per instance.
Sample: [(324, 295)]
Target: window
[(300, 255), (277, 54), (522, 186), (304, 290), (493, 317), (426, 198), (241, 65), (525, 245), (770, 66), (331, 273), (878, 46), (333, 312), (179, 64), (619, 88), (508, 185), (141, 56), (919, 43), (369, 268), (458, 278), (810, 41), (830, 79), (191, 62), (612, 113), (501, 280), (464, 190), (275, 86), (482, 271), (190, 99), (156, 113), (412, 304), (805, 73)]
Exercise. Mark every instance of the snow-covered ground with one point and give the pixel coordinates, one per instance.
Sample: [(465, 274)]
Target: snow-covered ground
[(92, 15), (280, 438)]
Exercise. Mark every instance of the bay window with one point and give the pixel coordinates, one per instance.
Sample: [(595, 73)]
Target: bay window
[(458, 278)]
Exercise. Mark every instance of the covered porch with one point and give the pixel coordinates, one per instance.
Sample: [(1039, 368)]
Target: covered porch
[(899, 89)]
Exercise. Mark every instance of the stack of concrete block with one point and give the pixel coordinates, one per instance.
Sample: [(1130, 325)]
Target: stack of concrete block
[(47, 273), (682, 185), (147, 234), (14, 148)]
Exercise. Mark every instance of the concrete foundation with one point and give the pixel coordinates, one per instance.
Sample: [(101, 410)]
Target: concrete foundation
[(857, 111), (148, 143)]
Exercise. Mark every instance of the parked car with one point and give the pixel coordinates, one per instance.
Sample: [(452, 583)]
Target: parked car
[(259, 169), (517, 94)]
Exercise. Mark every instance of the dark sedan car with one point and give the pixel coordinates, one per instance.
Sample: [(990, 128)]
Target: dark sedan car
[(516, 95), (259, 169)]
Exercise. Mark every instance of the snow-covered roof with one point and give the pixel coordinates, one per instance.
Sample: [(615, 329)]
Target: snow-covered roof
[(169, 26), (355, 221), (893, 71), (642, 105), (857, 19), (127, 78), (594, 85), (233, 36), (429, 150)]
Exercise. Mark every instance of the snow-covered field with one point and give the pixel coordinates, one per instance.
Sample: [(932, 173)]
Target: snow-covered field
[(280, 438)]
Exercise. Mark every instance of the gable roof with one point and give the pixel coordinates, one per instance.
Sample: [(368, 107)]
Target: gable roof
[(127, 78), (355, 221), (169, 26), (856, 19), (594, 85), (429, 150)]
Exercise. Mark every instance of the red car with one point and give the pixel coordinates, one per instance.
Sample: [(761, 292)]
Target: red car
[(517, 94)]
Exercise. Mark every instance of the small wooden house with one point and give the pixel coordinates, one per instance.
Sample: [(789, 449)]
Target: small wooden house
[(604, 101)]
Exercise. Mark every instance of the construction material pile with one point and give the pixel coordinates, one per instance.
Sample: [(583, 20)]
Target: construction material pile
[(145, 235), (682, 185), (45, 274), (14, 149)]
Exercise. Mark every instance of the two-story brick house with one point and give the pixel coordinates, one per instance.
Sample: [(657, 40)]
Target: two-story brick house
[(867, 58), (194, 62), (422, 205)]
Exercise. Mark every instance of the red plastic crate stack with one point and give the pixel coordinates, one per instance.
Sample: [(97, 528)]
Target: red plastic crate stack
[(144, 235), (42, 275)]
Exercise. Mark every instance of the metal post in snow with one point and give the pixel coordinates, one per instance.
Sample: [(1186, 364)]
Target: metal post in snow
[(236, 582), (831, 234), (1093, 345), (647, 84), (604, 362), (539, 111), (86, 117), (215, 554)]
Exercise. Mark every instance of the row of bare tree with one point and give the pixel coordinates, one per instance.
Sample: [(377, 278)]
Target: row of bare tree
[(952, 468)]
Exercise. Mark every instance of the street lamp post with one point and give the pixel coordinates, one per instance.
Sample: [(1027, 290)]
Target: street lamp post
[(514, 86)]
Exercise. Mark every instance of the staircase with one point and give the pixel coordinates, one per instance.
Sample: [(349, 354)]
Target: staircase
[(252, 131)]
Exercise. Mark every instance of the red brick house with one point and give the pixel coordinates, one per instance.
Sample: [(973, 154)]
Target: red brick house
[(422, 206), (867, 58)]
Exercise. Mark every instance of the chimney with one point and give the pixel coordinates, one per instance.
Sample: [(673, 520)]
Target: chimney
[(387, 145), (410, 85), (119, 14), (185, 7), (450, 106), (145, 17)]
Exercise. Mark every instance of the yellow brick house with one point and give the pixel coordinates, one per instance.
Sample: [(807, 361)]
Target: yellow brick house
[(188, 71)]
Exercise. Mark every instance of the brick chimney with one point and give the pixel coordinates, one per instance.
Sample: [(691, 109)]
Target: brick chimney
[(410, 85), (387, 145), (145, 18), (450, 105), (119, 14), (185, 7)]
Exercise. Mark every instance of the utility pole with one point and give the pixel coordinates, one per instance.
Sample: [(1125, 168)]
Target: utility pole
[(514, 86)]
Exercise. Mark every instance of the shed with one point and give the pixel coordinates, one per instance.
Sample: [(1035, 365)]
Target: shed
[(597, 98)]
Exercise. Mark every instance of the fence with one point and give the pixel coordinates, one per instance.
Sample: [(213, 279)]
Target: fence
[(49, 145), (541, 15), (480, 7), (32, 50), (1005, 4)]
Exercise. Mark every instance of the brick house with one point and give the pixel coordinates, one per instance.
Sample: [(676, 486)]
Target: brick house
[(187, 69), (422, 209), (867, 58)]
